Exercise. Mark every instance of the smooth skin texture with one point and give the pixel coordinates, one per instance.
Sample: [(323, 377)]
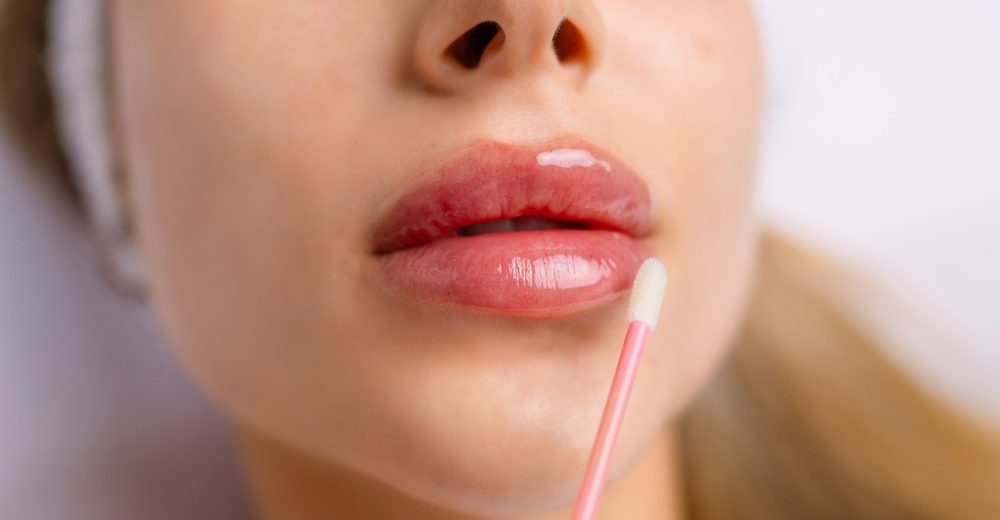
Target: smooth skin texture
[(259, 141)]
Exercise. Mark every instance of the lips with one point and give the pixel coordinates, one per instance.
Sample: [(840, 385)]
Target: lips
[(517, 230)]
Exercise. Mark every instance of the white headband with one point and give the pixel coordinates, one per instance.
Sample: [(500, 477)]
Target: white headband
[(77, 70)]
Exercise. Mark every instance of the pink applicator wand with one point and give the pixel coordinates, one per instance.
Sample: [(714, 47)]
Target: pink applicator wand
[(643, 312)]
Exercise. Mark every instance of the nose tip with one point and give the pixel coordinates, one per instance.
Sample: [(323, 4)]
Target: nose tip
[(487, 38), (459, 47)]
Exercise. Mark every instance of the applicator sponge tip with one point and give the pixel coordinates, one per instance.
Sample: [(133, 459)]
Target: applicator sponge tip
[(647, 292)]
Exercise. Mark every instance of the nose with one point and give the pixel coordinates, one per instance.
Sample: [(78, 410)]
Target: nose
[(463, 43)]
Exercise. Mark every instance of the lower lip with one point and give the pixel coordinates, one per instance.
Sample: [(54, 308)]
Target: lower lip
[(546, 272)]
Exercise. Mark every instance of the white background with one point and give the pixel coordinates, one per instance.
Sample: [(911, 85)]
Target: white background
[(883, 141)]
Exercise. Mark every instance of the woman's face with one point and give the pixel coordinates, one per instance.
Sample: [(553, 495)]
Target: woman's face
[(304, 176)]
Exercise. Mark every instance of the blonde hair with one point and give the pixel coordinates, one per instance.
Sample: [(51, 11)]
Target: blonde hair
[(807, 418)]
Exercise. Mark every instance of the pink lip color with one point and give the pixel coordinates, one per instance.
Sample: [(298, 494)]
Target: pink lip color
[(547, 272)]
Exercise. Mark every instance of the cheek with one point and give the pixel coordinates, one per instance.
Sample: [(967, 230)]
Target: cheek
[(238, 183), (702, 139)]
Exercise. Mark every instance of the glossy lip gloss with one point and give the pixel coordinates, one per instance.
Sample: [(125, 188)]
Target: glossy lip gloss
[(517, 230)]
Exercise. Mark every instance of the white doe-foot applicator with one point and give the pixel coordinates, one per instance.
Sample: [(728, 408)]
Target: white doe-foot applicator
[(643, 312)]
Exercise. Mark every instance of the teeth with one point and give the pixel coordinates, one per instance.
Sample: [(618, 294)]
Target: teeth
[(535, 223), (517, 224), (493, 226)]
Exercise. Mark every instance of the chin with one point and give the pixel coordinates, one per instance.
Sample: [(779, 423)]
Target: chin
[(503, 442), (494, 463)]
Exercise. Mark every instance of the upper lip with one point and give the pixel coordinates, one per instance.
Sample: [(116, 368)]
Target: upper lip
[(492, 181)]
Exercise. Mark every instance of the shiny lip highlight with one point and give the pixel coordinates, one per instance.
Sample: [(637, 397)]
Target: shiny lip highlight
[(536, 231)]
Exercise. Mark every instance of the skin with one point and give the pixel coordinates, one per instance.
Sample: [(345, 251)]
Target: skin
[(259, 139)]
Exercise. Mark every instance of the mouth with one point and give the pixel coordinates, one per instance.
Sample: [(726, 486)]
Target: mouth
[(517, 230)]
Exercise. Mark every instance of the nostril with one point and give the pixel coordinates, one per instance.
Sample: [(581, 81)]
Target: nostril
[(468, 50), (568, 42)]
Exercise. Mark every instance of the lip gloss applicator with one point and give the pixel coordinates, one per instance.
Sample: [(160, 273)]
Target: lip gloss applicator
[(643, 312)]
